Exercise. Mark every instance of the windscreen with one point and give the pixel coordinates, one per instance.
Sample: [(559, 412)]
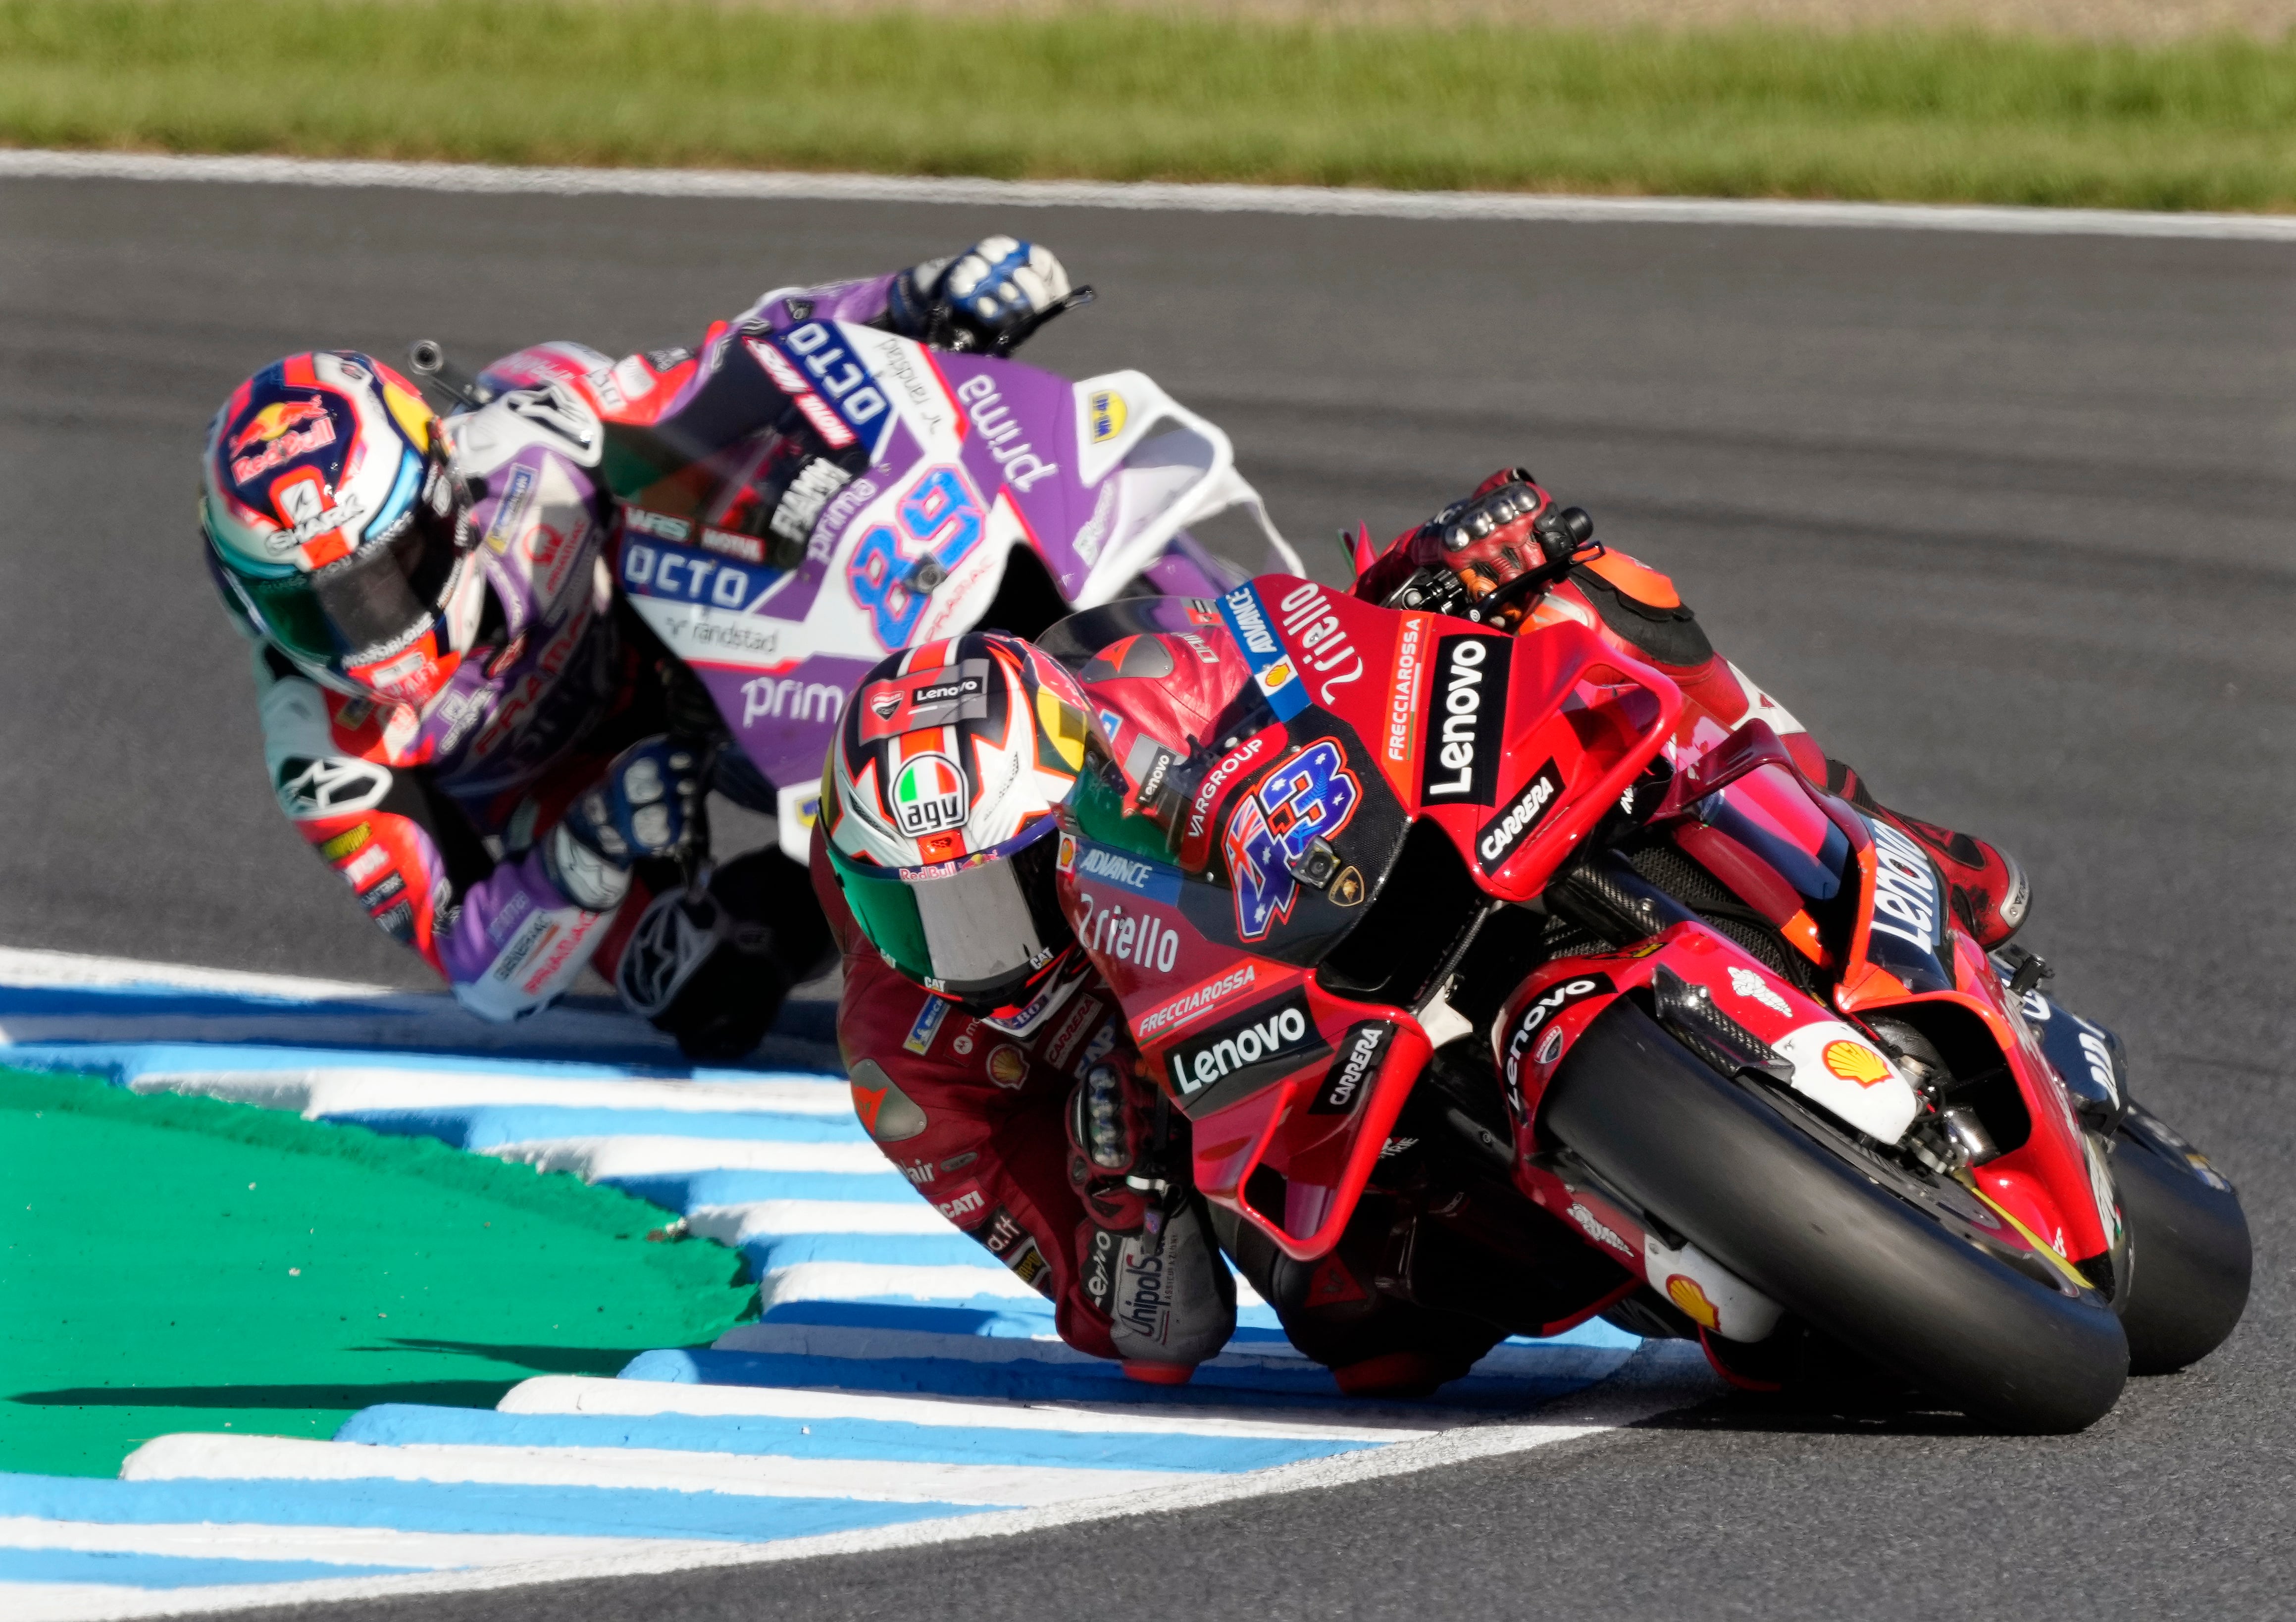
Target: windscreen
[(1154, 806)]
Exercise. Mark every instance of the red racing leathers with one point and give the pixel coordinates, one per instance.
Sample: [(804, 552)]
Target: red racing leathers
[(973, 1115)]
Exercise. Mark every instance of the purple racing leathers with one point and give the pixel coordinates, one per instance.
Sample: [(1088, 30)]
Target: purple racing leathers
[(436, 816)]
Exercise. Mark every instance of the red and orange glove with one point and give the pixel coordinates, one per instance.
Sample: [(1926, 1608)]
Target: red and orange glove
[(1507, 529)]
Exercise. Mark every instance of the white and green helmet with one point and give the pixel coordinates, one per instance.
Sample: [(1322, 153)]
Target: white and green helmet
[(936, 810)]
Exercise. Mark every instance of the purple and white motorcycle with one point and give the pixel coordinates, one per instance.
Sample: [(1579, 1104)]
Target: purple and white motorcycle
[(996, 496)]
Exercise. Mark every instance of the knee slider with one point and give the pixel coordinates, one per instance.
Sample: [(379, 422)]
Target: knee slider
[(1173, 1299)]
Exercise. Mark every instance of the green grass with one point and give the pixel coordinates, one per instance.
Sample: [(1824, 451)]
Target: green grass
[(1741, 110), (174, 1263)]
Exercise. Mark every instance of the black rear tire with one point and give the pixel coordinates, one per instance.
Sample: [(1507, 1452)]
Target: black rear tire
[(2189, 1262), (1751, 1185)]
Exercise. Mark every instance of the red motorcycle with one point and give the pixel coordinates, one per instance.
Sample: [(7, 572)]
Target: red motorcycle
[(1676, 1034)]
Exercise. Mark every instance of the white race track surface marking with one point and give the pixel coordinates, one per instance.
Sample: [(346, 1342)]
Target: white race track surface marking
[(1358, 202), (899, 1388)]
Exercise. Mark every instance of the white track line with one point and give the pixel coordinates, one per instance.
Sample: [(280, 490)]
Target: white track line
[(330, 1545), (1356, 202), (575, 1394), (595, 1158), (888, 1280), (869, 1341), (336, 1091), (22, 966), (214, 1458), (101, 1602), (737, 1225), (1663, 1377)]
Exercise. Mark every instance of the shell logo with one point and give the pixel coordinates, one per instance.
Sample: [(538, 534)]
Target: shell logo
[(1854, 1061), (1684, 1291), (1107, 414)]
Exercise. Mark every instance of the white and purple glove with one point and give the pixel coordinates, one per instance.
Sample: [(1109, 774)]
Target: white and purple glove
[(643, 806), (989, 297)]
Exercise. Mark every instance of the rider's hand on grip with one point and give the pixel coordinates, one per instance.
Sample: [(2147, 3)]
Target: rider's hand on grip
[(1113, 1160), (989, 297), (1507, 530), (642, 806)]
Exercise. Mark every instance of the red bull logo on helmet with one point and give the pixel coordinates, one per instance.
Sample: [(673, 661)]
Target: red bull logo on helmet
[(277, 434)]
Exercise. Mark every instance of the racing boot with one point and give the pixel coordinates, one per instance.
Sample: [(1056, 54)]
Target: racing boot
[(1173, 1304), (1986, 886), (1145, 1252)]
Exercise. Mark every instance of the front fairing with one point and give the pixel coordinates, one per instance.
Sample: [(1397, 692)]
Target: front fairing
[(2026, 1207), (1866, 909), (1214, 904)]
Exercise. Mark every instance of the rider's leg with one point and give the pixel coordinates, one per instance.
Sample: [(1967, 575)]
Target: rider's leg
[(1986, 885), (1344, 1310), (714, 976)]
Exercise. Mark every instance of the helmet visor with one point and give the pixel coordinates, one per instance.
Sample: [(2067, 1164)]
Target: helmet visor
[(978, 933), (378, 598)]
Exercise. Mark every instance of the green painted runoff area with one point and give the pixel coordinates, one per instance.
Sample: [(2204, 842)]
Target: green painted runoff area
[(177, 1264)]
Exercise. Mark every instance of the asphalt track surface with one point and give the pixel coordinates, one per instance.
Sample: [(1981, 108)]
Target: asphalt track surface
[(2005, 521)]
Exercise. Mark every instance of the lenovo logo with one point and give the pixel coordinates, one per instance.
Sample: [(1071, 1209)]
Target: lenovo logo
[(1267, 1043), (1465, 720)]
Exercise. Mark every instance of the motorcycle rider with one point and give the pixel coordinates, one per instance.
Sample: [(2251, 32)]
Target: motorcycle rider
[(992, 1063), (456, 713)]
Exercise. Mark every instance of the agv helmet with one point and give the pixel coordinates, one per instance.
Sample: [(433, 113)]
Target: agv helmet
[(937, 803)]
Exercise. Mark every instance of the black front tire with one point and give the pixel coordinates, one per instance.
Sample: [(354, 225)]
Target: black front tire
[(1730, 1168), (2190, 1257)]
